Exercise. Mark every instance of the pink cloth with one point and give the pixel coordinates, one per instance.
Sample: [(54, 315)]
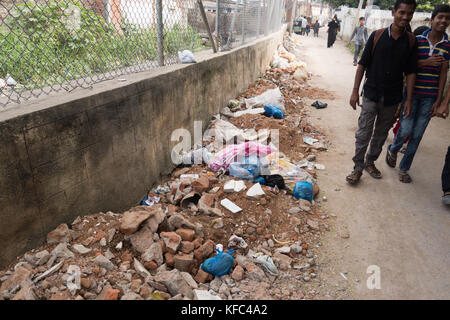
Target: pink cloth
[(232, 153)]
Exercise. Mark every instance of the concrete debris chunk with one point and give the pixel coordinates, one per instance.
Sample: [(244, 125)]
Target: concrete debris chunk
[(255, 192), (231, 206)]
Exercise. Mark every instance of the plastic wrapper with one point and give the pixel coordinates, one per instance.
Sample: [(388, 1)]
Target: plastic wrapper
[(272, 97), (237, 153), (291, 173)]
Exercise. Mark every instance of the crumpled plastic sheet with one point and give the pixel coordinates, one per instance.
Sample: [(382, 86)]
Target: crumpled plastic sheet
[(235, 152), (291, 173), (272, 97)]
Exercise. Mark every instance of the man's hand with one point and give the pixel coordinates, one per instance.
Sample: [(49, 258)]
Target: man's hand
[(442, 111), (434, 61), (406, 109), (435, 107), (354, 99)]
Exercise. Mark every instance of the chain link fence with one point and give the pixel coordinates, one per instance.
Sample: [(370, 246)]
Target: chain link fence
[(59, 45), (242, 21)]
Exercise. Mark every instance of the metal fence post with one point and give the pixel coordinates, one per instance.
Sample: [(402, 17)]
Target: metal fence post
[(217, 18), (160, 31), (258, 23), (208, 29), (244, 19)]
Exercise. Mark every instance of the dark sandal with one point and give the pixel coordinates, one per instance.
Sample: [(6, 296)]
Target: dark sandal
[(373, 171), (354, 177), (390, 159), (404, 177)]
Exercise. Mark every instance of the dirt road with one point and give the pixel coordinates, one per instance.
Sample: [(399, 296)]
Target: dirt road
[(404, 229)]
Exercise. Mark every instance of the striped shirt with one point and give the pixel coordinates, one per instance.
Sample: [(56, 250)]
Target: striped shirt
[(427, 79)]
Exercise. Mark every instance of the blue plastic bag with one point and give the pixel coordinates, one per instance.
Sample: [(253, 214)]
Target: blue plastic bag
[(304, 190), (260, 180), (273, 111), (219, 265), (248, 170)]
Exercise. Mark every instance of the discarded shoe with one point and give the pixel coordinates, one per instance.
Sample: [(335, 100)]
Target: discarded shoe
[(319, 105)]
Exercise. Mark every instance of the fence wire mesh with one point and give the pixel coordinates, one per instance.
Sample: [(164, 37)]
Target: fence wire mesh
[(242, 21), (59, 45)]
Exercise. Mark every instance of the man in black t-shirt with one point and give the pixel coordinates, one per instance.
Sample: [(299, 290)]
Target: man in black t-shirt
[(390, 55)]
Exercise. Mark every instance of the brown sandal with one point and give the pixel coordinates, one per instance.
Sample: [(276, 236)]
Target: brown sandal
[(404, 177), (373, 171), (354, 177), (391, 160)]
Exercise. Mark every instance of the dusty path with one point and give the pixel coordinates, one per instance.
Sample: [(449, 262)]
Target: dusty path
[(404, 229)]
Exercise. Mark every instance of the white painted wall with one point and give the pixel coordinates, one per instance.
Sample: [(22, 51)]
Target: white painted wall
[(378, 19), (140, 12)]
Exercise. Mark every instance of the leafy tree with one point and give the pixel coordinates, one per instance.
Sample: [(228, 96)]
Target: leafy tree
[(422, 5)]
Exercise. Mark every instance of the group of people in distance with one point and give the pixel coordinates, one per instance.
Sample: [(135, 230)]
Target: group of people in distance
[(306, 25), (405, 77)]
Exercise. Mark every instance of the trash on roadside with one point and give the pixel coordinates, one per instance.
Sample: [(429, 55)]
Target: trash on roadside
[(234, 186), (161, 190), (278, 164), (189, 176), (248, 170), (255, 191), (265, 261), (272, 97), (192, 197), (273, 111), (186, 56), (231, 206), (205, 295), (250, 111), (219, 265), (319, 105), (10, 81), (309, 140), (267, 264), (304, 190), (236, 241), (273, 180), (319, 166), (230, 153), (150, 200)]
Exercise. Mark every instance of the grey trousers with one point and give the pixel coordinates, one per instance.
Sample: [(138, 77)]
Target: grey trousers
[(373, 114), (358, 48)]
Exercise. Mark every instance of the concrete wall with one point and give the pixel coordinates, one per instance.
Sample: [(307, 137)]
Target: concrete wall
[(101, 149)]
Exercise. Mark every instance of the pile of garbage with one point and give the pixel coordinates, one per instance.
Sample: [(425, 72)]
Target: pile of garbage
[(238, 214)]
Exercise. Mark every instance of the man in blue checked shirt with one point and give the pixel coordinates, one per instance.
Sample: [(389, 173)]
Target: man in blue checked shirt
[(433, 56)]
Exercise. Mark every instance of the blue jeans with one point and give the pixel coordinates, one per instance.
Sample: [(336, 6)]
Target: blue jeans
[(414, 126)]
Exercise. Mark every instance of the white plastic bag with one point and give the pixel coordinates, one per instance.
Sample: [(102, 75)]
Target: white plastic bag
[(272, 97), (186, 57)]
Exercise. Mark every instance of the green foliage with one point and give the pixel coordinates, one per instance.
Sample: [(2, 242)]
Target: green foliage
[(422, 5), (40, 46)]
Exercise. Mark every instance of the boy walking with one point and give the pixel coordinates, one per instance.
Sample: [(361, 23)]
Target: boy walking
[(360, 35), (316, 27), (390, 54), (433, 55)]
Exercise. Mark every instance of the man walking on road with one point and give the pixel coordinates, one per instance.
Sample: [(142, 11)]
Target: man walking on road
[(433, 56), (390, 54), (361, 38), (316, 27)]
